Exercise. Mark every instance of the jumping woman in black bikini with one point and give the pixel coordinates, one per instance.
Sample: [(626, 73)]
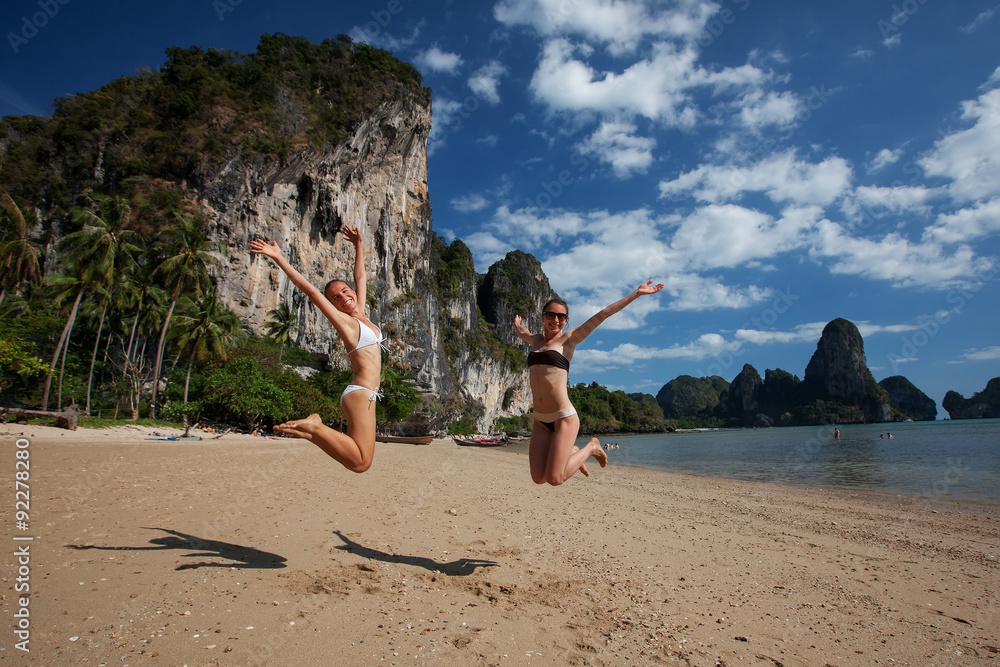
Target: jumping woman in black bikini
[(552, 456), (346, 312)]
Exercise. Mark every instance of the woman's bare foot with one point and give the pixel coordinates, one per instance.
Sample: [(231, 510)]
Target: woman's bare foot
[(299, 427), (583, 469), (598, 452)]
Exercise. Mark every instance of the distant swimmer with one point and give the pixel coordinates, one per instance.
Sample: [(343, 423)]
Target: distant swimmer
[(345, 309), (836, 434), (552, 456)]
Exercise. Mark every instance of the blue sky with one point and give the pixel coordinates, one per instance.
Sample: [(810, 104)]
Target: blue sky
[(776, 164)]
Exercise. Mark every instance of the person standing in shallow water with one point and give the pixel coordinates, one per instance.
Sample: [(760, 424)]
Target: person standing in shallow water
[(345, 310), (552, 455)]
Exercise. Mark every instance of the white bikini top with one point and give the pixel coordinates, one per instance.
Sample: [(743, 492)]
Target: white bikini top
[(366, 336)]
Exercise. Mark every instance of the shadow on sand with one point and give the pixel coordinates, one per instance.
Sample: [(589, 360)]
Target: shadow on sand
[(462, 567), (240, 557)]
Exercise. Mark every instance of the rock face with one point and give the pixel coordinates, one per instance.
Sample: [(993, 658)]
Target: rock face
[(377, 181), (743, 392), (838, 370), (983, 405), (907, 401), (687, 396), (838, 388)]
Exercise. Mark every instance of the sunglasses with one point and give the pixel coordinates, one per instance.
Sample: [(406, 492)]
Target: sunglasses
[(549, 315)]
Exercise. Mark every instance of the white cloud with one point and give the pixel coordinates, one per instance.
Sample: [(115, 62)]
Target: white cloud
[(439, 61), (445, 115), (781, 176), (728, 236), (892, 41), (693, 292), (994, 80), (615, 143), (881, 201), (469, 203), (966, 224), (986, 354), (487, 248), (761, 109), (884, 158), (809, 332), (485, 82), (970, 158), (896, 259), (378, 36), (983, 18), (621, 24), (658, 88), (628, 354)]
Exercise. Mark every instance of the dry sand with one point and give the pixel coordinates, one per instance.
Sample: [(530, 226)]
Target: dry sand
[(251, 551)]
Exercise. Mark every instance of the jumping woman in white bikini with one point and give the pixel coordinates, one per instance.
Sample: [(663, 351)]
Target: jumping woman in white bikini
[(552, 456), (346, 312)]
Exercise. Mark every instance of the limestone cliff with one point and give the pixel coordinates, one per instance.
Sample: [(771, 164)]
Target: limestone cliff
[(743, 393), (983, 404), (377, 181), (839, 371), (907, 401)]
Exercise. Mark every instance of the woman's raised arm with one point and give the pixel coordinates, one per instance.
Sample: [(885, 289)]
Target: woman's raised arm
[(353, 236), (522, 332), (272, 251), (585, 329)]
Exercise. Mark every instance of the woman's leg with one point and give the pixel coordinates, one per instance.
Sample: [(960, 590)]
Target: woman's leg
[(538, 451), (554, 457), (355, 449)]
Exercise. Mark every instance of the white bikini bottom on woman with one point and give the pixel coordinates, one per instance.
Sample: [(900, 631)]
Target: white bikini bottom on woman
[(351, 388), (548, 419)]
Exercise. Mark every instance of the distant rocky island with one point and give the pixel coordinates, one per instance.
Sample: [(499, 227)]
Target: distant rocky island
[(837, 388), (983, 405)]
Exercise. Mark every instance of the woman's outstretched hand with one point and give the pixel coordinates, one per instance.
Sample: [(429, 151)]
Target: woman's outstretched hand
[(262, 247), (648, 288), (351, 235)]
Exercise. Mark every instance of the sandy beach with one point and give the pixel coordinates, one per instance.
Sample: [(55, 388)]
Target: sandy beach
[(258, 551)]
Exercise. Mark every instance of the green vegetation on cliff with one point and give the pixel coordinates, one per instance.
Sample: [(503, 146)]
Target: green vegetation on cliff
[(138, 134)]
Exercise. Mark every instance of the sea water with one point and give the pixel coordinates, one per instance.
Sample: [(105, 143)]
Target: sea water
[(944, 460)]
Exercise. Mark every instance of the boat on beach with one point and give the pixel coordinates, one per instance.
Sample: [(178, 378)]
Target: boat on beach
[(406, 439), (481, 441)]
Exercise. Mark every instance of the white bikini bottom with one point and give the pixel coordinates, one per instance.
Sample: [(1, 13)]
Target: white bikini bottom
[(351, 388), (548, 419)]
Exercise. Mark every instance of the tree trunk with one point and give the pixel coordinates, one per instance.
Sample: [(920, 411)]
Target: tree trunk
[(187, 380), (135, 324), (159, 357), (55, 357), (93, 359)]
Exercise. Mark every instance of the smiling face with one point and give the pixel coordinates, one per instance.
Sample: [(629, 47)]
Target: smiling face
[(341, 296), (554, 316)]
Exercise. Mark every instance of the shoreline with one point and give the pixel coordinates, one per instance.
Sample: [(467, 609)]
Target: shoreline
[(259, 551)]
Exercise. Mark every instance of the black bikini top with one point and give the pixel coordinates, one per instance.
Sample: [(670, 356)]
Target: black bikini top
[(548, 358)]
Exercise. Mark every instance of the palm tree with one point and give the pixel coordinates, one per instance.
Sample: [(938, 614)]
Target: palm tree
[(184, 269), (18, 255), (109, 248), (281, 325), (66, 285), (203, 329), (140, 296)]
